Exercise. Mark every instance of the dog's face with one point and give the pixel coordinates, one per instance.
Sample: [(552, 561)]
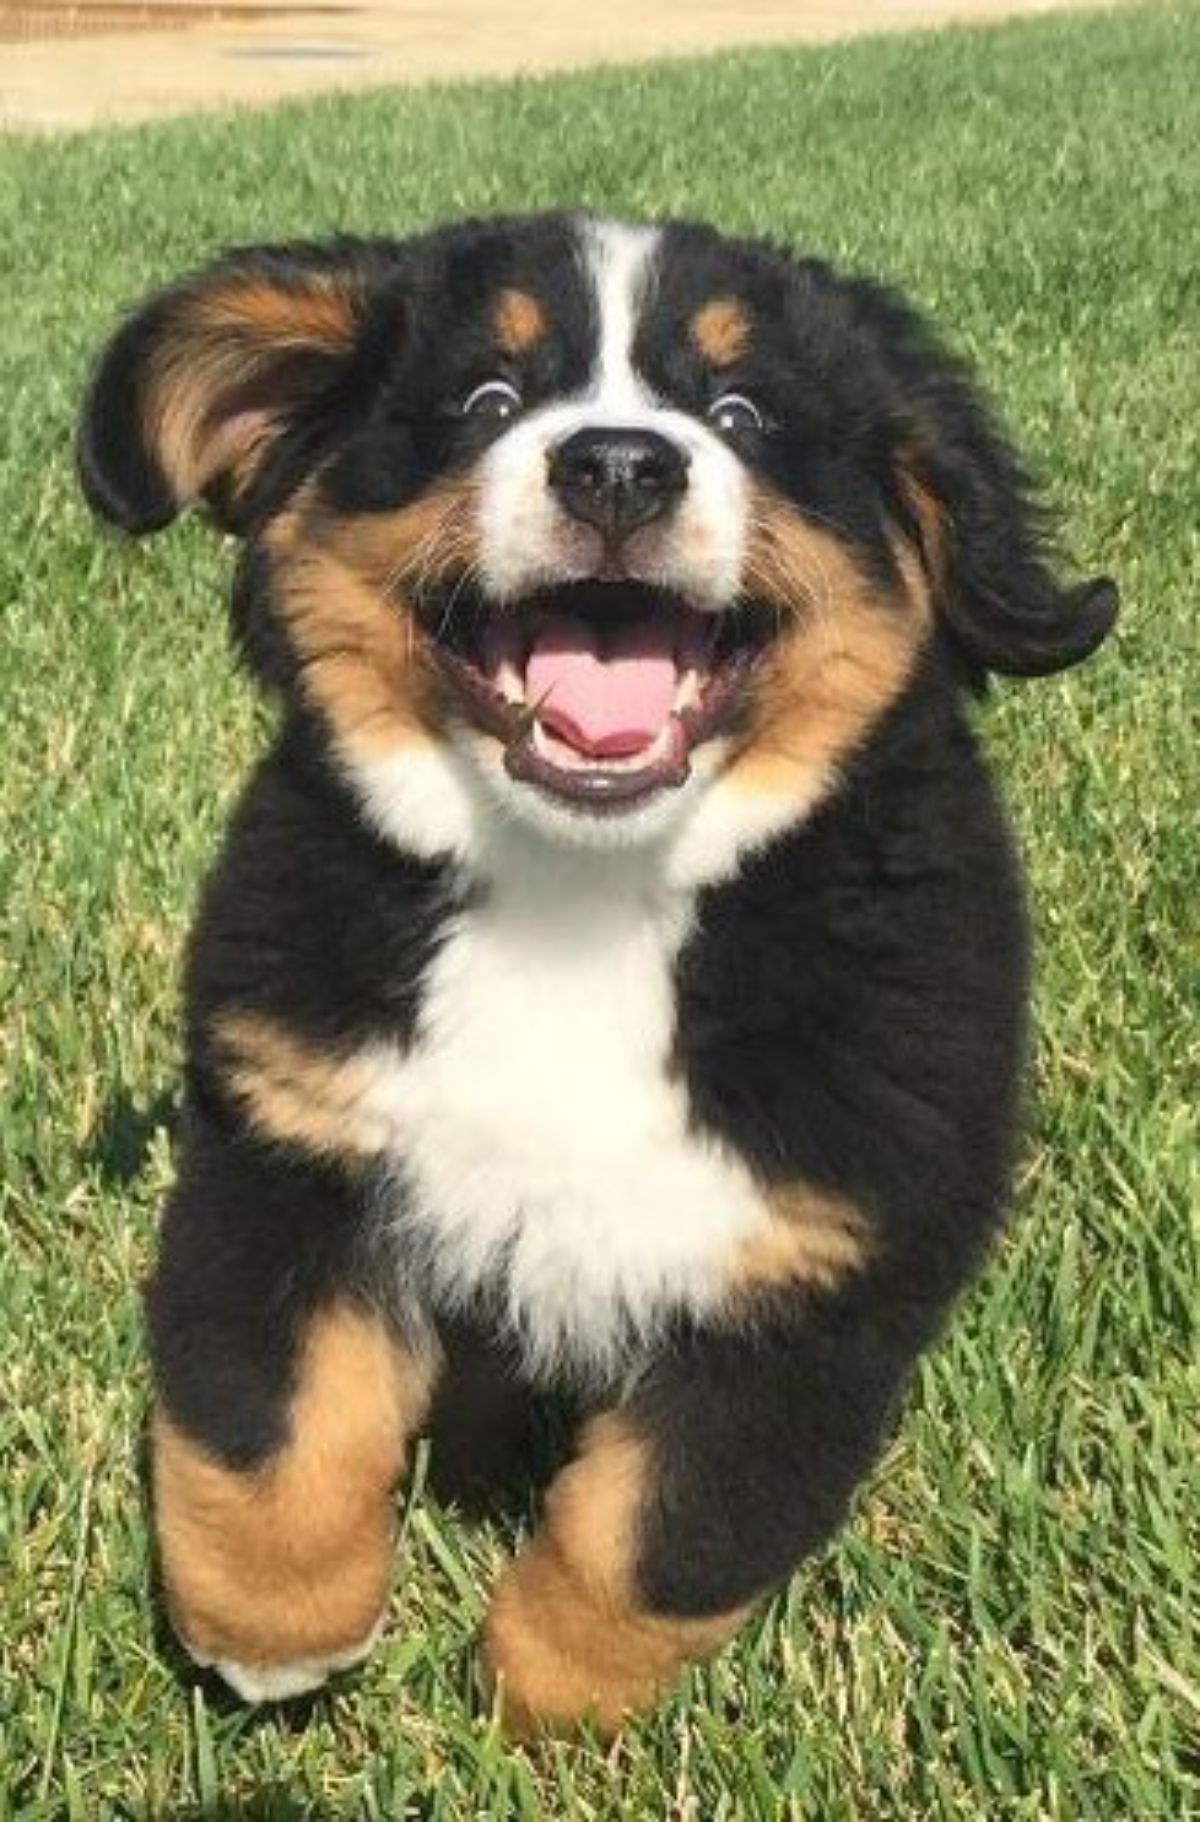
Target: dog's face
[(601, 516)]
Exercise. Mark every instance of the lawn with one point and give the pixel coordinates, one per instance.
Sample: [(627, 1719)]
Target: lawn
[(1002, 1631)]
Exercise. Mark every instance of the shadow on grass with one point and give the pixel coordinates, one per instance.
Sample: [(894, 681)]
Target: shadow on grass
[(120, 1143)]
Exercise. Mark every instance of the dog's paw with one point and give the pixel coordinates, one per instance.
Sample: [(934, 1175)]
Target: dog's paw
[(256, 1684), (554, 1661)]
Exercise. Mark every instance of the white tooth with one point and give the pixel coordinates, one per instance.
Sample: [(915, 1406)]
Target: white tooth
[(687, 692), (509, 681), (540, 740)]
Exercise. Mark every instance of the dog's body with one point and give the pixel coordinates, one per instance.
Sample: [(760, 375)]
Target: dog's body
[(616, 971)]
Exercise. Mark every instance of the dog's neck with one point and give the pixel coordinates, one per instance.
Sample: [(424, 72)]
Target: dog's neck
[(438, 803)]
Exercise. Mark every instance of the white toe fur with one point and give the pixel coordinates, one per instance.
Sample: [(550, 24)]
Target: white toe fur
[(259, 1683)]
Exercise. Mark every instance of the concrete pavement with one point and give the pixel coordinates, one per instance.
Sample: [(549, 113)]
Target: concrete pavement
[(65, 64)]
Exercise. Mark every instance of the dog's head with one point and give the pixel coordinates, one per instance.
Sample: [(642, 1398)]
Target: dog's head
[(597, 516)]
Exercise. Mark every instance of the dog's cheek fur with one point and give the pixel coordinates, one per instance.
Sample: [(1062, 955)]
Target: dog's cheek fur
[(325, 610), (848, 645)]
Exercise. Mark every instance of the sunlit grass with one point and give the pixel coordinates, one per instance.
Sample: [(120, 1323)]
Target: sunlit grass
[(1002, 1632)]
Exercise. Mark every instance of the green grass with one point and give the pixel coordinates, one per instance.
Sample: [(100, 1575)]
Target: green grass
[(1002, 1631)]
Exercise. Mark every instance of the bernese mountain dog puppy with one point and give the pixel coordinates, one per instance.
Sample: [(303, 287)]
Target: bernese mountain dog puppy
[(612, 989)]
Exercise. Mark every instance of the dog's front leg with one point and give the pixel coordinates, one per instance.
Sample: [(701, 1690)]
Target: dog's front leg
[(734, 1457), (285, 1404)]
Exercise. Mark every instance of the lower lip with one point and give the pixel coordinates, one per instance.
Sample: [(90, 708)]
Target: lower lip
[(599, 788)]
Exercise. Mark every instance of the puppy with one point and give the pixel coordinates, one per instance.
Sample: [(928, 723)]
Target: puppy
[(616, 969)]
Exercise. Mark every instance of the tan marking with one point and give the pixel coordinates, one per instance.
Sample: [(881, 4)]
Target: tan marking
[(846, 651), (320, 310), (519, 321), (933, 531), (293, 1560), (181, 418), (344, 590), (232, 360), (566, 1632), (811, 1239), (299, 1094), (721, 331)]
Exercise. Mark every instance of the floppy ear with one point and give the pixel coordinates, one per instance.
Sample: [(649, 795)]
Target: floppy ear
[(968, 505), (224, 388)]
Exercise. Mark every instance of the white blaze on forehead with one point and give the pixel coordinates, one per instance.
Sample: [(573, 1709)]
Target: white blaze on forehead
[(618, 260), (527, 542)]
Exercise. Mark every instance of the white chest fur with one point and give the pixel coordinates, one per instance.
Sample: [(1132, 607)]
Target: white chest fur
[(543, 1144)]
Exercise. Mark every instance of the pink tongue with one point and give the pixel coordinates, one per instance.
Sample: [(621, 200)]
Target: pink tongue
[(605, 702)]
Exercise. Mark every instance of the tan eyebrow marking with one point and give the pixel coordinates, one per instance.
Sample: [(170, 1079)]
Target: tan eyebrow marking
[(721, 331), (518, 320)]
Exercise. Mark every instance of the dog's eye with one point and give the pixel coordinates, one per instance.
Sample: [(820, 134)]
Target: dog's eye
[(733, 412), (495, 399)]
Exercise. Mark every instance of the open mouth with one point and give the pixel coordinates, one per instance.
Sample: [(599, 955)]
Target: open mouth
[(598, 691)]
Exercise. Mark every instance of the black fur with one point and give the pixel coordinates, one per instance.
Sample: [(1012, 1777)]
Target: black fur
[(850, 1007), (851, 1015)]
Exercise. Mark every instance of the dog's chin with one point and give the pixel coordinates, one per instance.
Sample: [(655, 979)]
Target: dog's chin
[(645, 822), (595, 710)]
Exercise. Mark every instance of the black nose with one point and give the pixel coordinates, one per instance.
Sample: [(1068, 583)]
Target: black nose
[(617, 480)]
